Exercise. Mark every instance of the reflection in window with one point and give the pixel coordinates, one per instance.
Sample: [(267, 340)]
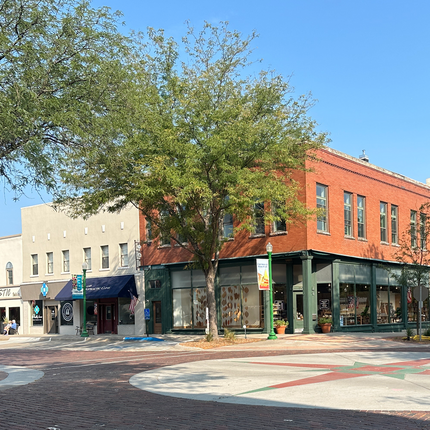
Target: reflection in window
[(388, 304), (322, 205), (347, 213), (125, 316), (361, 226), (9, 273), (383, 221), (355, 304)]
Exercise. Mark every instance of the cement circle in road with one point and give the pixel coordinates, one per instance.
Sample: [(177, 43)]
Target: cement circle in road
[(17, 375), (395, 381)]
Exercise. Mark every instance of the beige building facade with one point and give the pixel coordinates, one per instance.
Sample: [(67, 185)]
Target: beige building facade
[(10, 278), (54, 248)]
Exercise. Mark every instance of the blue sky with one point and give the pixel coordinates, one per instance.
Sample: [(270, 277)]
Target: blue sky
[(366, 62)]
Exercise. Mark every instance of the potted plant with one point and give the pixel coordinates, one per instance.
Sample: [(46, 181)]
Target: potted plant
[(280, 326), (325, 324)]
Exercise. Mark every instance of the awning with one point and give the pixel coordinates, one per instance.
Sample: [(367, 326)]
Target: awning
[(33, 291), (103, 288)]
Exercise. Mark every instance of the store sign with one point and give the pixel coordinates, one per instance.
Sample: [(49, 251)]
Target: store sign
[(44, 290), (324, 304), (66, 313), (10, 292), (263, 273)]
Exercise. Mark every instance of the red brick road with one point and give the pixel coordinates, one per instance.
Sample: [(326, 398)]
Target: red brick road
[(90, 390)]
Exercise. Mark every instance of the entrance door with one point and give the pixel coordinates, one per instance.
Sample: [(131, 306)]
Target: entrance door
[(108, 318), (51, 318), (298, 311), (156, 311)]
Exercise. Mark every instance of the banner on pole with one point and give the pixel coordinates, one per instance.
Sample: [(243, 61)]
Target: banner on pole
[(263, 273)]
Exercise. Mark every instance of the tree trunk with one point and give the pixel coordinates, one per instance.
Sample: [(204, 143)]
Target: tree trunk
[(210, 285)]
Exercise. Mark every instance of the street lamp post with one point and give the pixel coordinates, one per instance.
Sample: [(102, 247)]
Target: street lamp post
[(84, 288), (269, 249)]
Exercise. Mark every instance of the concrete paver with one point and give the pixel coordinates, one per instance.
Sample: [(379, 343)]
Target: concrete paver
[(86, 385)]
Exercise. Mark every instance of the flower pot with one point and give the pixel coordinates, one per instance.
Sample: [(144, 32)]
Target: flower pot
[(280, 329), (325, 328)]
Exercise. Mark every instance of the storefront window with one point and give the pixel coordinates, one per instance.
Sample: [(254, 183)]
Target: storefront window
[(354, 304), (200, 302), (388, 304), (36, 310), (182, 316), (231, 309), (15, 314), (125, 316)]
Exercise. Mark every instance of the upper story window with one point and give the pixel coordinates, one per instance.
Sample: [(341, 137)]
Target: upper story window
[(50, 262), (105, 256), (279, 226), (87, 257), (423, 234), (259, 218), (394, 224), (9, 273), (361, 217), (164, 236), (66, 261), (383, 221), (34, 264), (123, 251), (347, 213), (227, 226), (148, 230), (413, 229), (322, 205)]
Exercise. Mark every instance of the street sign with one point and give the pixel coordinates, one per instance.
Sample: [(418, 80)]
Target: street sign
[(424, 293), (147, 313)]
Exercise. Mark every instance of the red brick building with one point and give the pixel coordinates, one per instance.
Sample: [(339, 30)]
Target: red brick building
[(330, 266)]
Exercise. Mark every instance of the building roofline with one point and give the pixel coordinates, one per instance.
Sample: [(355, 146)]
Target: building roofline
[(373, 166)]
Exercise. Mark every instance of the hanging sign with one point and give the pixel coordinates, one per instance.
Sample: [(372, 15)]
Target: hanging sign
[(77, 291), (44, 290), (263, 273), (147, 313)]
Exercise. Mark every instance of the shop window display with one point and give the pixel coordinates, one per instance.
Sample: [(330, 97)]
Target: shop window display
[(355, 304), (125, 316), (388, 304)]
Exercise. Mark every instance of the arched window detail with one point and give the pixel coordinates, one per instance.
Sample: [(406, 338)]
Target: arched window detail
[(9, 273)]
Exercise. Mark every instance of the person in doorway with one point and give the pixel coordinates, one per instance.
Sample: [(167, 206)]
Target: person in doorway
[(13, 326)]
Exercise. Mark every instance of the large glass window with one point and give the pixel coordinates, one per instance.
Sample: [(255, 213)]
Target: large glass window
[(49, 262), (125, 316), (322, 220), (383, 221), (361, 217), (355, 304), (347, 213), (189, 299), (388, 304), (394, 224), (241, 301), (34, 265)]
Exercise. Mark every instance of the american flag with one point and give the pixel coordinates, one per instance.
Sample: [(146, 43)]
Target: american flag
[(409, 296), (351, 302), (132, 303)]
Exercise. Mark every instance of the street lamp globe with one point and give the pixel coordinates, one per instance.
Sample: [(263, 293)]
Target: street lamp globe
[(269, 247)]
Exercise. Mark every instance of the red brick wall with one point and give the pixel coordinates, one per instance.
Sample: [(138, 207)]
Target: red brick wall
[(340, 173)]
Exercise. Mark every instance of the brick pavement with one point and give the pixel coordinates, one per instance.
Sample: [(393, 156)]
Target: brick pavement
[(90, 390)]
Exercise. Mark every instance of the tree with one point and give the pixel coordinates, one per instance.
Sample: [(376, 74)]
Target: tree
[(414, 252), (200, 142), (61, 68)]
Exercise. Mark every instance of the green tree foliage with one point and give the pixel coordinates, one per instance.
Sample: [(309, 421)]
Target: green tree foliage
[(202, 137), (414, 252), (61, 65)]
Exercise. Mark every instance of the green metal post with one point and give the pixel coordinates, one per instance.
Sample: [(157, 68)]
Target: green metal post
[(84, 287), (272, 334)]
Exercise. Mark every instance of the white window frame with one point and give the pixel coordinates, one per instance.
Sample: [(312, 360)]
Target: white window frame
[(87, 257), (322, 203), (9, 273), (361, 215), (49, 263), (383, 227), (104, 255), (66, 261), (34, 265), (123, 254), (347, 214), (394, 224)]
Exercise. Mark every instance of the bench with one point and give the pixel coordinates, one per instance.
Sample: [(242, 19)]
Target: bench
[(14, 330)]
